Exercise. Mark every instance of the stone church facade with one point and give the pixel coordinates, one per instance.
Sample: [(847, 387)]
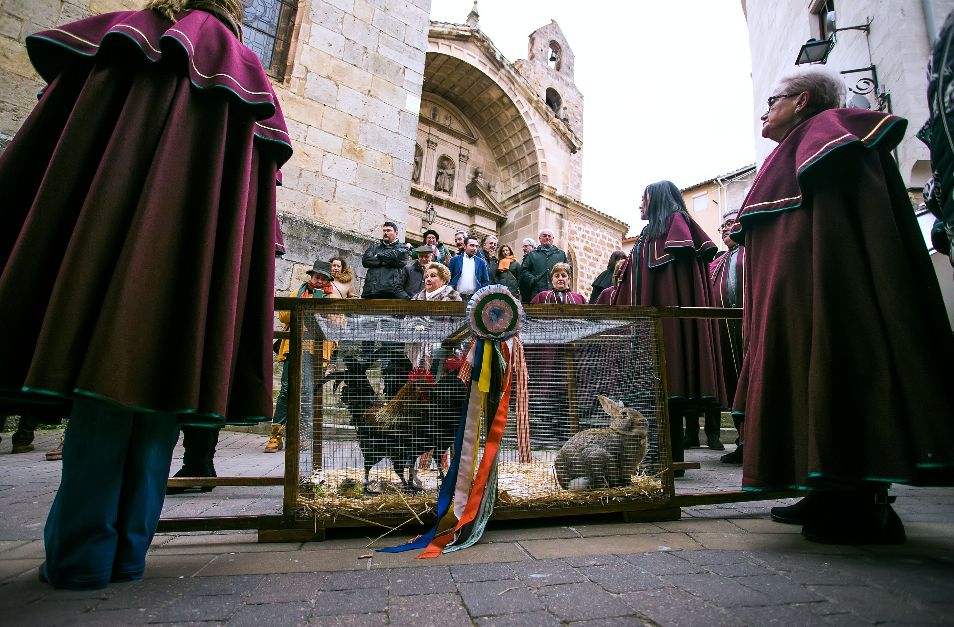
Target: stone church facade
[(391, 114)]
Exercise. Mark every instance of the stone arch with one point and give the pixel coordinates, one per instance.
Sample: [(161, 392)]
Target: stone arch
[(458, 76), (554, 101)]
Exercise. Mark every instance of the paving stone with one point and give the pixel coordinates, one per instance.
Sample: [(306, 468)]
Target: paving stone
[(411, 581), (220, 585), (530, 533), (740, 569), (53, 613), (271, 614), (526, 619), (615, 621), (596, 530), (578, 561), (367, 600), (548, 573), (288, 587), (19, 592), (581, 601), (873, 604), (670, 606), (543, 549), (780, 589), (171, 566), (285, 562), (720, 591), (482, 572), (486, 598), (10, 569), (663, 563), (782, 615), (349, 620), (352, 580), (622, 578), (428, 610), (706, 558), (146, 594), (121, 618), (210, 608)]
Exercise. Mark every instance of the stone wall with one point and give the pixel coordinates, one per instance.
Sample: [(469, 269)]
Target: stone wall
[(592, 241)]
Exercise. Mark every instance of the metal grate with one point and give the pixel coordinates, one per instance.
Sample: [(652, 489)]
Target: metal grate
[(375, 447), (267, 29)]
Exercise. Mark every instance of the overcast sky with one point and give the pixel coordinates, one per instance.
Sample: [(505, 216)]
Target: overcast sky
[(666, 85)]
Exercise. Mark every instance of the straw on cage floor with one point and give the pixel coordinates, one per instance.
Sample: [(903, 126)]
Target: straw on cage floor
[(330, 493)]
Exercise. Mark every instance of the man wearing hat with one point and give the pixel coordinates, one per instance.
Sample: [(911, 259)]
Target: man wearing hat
[(412, 275), (440, 251), (527, 245), (318, 286)]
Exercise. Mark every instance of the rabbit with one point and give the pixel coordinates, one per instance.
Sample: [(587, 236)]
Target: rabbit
[(604, 458)]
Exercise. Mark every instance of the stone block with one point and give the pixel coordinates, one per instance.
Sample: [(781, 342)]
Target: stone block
[(320, 187), (396, 50), (14, 59), (388, 69), (45, 12), (407, 12), (380, 138), (353, 102), (320, 89), (272, 614), (71, 12), (11, 26), (368, 156), (351, 602), (340, 168), (327, 15), (360, 31), (326, 40), (385, 116), (385, 23), (412, 582), (388, 92), (297, 131), (323, 139), (428, 609), (582, 601), (488, 598), (355, 54), (363, 10), (359, 198), (357, 78), (408, 124), (97, 7), (416, 38), (343, 125)]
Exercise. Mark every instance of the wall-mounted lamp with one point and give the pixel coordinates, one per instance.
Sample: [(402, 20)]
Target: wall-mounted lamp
[(817, 50)]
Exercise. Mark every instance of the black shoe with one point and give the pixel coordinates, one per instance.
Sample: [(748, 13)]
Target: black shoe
[(799, 513), (192, 472), (859, 523), (715, 443), (690, 441), (735, 457)]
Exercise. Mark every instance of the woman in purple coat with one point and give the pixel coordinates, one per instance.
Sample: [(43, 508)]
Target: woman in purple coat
[(146, 173)]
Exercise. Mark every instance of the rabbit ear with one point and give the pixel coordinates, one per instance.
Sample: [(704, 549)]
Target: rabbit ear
[(609, 406)]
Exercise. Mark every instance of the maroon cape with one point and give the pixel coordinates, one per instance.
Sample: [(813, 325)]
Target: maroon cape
[(137, 229), (674, 271), (730, 331), (845, 331)]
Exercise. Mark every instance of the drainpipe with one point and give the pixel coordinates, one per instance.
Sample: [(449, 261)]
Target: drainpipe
[(929, 22)]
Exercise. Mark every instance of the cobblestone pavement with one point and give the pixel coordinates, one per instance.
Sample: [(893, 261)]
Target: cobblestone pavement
[(719, 565)]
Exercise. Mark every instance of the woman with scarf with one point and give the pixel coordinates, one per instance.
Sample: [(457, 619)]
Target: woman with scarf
[(669, 266), (561, 293), (508, 270), (842, 389), (343, 282)]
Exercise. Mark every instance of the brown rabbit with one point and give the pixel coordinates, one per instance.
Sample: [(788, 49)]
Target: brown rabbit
[(604, 458)]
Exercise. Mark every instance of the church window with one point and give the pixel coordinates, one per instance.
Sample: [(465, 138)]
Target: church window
[(553, 100), (267, 30), (554, 56), (823, 14)]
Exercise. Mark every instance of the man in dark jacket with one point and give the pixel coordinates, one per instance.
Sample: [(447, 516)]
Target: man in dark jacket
[(469, 271), (385, 261), (535, 273), (412, 275)]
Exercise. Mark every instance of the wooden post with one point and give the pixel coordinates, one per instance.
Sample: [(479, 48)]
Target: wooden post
[(292, 443), (665, 452)]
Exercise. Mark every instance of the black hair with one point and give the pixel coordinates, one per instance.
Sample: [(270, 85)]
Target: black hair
[(390, 224), (614, 258), (664, 200), (431, 232), (467, 239)]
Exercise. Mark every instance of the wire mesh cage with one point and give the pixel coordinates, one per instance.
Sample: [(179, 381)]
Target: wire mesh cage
[(381, 398)]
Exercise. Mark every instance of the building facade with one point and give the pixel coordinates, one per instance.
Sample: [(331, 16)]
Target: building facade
[(390, 114), (707, 201)]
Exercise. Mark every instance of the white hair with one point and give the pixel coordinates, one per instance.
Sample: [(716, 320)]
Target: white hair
[(826, 90)]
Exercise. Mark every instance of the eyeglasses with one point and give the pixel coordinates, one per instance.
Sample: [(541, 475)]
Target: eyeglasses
[(728, 224), (773, 99)]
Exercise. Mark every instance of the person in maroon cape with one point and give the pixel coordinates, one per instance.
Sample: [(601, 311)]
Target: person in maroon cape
[(727, 278), (842, 388), (147, 174), (561, 294), (668, 266)]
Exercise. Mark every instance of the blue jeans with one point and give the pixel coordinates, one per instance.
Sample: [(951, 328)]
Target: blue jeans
[(307, 381), (115, 467)]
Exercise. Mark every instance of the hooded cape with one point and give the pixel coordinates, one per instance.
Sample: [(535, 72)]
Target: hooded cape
[(141, 192), (844, 328)]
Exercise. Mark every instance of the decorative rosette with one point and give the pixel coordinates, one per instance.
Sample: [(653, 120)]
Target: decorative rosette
[(494, 314)]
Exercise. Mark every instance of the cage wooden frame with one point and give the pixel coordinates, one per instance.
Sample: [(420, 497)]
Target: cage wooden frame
[(287, 526)]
